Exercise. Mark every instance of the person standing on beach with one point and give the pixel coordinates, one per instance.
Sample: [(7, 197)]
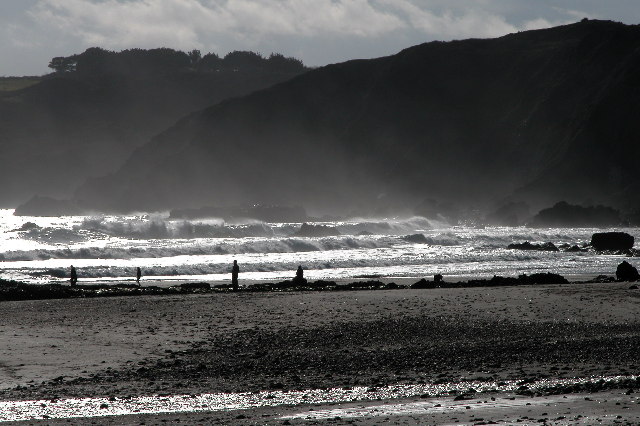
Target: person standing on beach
[(300, 273), (138, 275), (73, 276), (299, 279), (234, 275)]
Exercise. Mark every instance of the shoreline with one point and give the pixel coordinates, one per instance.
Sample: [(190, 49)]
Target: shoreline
[(16, 291), (266, 341)]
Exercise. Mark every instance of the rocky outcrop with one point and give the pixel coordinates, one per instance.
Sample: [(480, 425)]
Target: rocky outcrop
[(563, 214), (423, 283), (611, 241), (529, 246), (626, 272)]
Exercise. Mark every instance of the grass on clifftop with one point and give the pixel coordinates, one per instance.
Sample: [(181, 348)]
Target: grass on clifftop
[(10, 84)]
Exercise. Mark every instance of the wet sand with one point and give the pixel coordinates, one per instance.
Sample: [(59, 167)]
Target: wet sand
[(226, 342)]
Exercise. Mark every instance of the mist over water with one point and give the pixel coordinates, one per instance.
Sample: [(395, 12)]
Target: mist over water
[(109, 248)]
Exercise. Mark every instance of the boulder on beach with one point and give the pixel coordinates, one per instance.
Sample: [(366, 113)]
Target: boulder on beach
[(627, 272), (603, 241), (423, 284), (542, 278), (528, 246)]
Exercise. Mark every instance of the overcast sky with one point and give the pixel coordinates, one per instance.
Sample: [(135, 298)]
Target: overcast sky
[(317, 31)]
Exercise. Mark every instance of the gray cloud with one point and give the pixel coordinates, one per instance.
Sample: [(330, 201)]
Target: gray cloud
[(316, 31)]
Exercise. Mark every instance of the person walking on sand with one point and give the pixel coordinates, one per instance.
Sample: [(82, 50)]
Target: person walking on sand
[(234, 275), (73, 276), (138, 275)]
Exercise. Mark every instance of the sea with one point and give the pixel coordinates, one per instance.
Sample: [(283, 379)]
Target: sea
[(108, 249)]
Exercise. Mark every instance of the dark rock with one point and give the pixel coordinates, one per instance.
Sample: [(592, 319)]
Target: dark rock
[(310, 230), (528, 246), (602, 241), (563, 214), (416, 238), (371, 284), (542, 278), (633, 287), (602, 279), (195, 286), (28, 226), (423, 284), (626, 272)]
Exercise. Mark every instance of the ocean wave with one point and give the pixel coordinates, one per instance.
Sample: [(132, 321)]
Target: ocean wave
[(445, 239), (203, 247), (162, 228), (384, 226), (286, 264)]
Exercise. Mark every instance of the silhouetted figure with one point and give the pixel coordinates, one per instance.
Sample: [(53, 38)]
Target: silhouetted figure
[(299, 279), (138, 275), (73, 276), (437, 278), (234, 275)]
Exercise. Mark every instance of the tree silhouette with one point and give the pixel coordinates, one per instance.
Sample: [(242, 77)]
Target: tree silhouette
[(242, 60), (63, 64), (210, 62), (194, 56)]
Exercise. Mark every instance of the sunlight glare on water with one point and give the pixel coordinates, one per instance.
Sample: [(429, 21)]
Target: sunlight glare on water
[(97, 407), (110, 248)]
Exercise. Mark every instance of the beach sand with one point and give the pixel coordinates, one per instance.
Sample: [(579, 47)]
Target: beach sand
[(234, 342)]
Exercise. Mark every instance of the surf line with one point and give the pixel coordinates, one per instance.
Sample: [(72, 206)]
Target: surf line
[(155, 404)]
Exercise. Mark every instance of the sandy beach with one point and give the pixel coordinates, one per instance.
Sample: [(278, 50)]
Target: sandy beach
[(121, 347)]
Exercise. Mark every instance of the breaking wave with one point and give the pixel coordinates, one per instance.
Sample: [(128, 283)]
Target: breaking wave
[(204, 247)]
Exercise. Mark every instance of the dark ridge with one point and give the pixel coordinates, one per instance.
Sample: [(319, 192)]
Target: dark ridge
[(537, 116), (86, 118)]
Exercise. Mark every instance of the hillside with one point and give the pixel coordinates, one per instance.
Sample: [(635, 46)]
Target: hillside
[(86, 118), (537, 116)]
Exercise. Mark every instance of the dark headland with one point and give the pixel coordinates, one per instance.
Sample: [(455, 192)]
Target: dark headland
[(97, 107), (538, 116)]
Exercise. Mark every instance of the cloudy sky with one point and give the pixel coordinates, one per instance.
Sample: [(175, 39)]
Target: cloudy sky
[(316, 31)]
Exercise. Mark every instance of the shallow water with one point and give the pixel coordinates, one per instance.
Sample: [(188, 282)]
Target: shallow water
[(97, 407), (110, 248)]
